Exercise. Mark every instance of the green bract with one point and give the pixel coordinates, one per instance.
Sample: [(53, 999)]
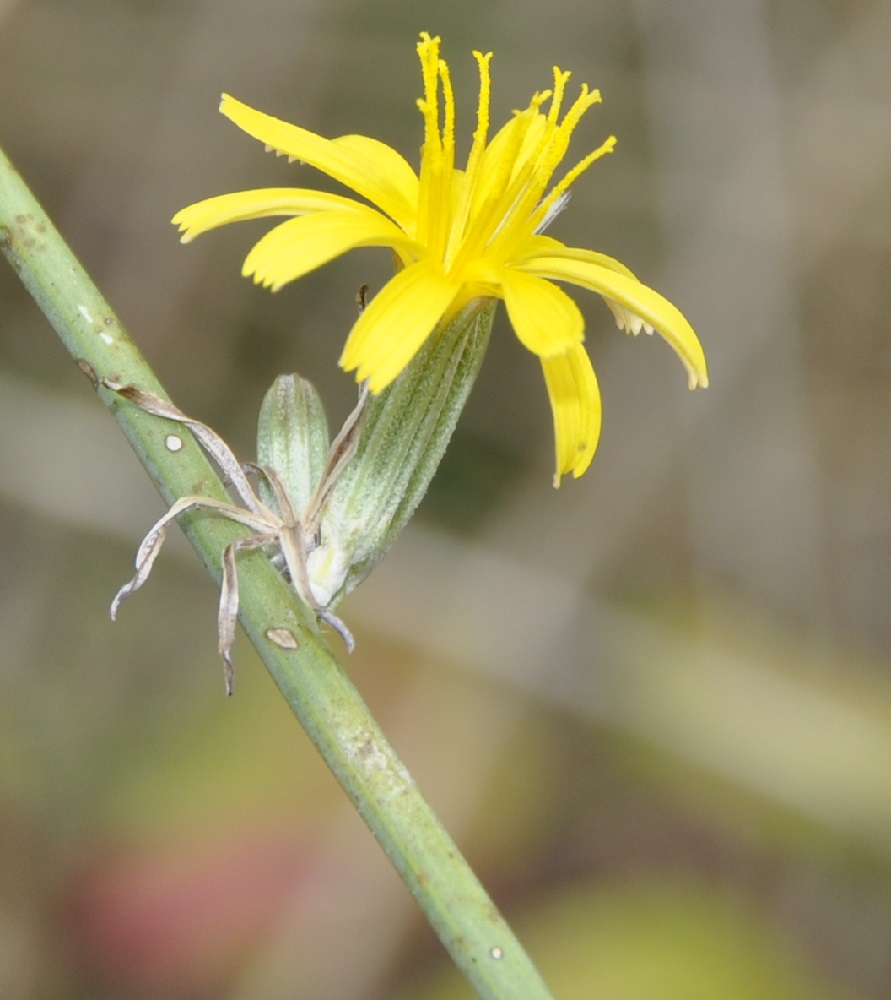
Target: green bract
[(353, 504), (404, 433), (292, 439)]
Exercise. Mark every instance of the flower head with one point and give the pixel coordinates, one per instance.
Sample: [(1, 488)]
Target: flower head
[(457, 235)]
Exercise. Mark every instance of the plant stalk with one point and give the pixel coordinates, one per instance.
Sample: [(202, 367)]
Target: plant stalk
[(321, 695)]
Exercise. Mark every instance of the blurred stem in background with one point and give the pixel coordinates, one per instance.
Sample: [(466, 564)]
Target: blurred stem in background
[(322, 697)]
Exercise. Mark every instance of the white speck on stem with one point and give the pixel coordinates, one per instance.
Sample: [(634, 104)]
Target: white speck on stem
[(371, 757), (88, 316), (496, 953), (283, 638), (173, 442)]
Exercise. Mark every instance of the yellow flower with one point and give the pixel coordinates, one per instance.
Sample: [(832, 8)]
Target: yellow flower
[(457, 235)]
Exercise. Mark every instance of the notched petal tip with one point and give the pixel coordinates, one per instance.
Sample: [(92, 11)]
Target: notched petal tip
[(262, 279), (184, 220), (629, 321), (697, 379)]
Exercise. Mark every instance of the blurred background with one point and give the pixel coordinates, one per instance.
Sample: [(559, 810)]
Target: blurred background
[(653, 707)]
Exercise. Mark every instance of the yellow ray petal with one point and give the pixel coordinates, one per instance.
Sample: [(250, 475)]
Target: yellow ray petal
[(636, 297), (360, 165), (546, 246), (544, 317), (396, 323), (393, 173), (259, 203), (300, 245), (575, 402)]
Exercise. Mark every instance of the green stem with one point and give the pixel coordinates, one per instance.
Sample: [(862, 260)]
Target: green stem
[(321, 695)]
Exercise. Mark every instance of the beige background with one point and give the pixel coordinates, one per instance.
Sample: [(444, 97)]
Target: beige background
[(655, 706)]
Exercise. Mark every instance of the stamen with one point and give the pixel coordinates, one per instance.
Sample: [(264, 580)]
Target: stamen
[(571, 176), (428, 51), (538, 98), (440, 176), (586, 99), (554, 149), (431, 152), (478, 147), (560, 81), (482, 109), (448, 109), (559, 140)]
